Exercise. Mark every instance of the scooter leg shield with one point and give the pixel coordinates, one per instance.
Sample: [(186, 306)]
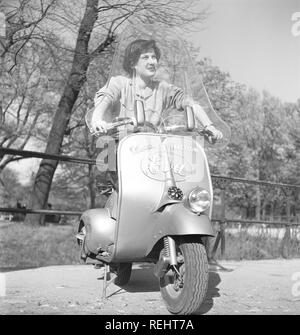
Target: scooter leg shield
[(176, 219), (181, 221), (100, 229)]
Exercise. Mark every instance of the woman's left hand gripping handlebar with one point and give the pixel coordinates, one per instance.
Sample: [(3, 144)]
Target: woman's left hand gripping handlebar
[(213, 133)]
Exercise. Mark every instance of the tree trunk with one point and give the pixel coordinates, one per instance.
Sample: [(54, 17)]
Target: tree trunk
[(92, 191), (264, 209), (258, 203), (272, 210), (77, 76)]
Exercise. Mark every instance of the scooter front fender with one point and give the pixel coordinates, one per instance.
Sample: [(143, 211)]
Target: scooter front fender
[(100, 230), (176, 219)]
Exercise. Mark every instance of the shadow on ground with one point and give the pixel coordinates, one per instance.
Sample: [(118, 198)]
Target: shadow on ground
[(143, 280), (212, 292)]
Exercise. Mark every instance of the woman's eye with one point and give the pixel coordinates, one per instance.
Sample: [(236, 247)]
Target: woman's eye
[(147, 57)]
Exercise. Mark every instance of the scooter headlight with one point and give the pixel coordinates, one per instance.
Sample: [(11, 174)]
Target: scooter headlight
[(199, 200)]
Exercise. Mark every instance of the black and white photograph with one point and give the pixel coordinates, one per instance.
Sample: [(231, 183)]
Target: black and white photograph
[(149, 160)]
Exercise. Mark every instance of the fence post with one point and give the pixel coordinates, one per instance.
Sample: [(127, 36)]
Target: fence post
[(286, 240), (221, 183), (223, 218)]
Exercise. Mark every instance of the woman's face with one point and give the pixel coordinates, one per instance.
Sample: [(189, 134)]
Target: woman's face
[(146, 65)]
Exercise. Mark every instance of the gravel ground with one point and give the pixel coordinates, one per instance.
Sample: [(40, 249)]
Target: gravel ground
[(249, 287)]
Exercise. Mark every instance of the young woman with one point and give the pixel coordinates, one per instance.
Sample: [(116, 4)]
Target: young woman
[(117, 97)]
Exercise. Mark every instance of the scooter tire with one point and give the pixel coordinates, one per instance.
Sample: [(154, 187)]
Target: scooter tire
[(123, 272), (188, 298)]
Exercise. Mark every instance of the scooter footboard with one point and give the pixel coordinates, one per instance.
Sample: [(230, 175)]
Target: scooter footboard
[(100, 230)]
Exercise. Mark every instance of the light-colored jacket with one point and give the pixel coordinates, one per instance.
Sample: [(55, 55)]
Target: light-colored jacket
[(157, 97)]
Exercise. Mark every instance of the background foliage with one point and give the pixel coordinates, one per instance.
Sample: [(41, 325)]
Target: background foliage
[(37, 56)]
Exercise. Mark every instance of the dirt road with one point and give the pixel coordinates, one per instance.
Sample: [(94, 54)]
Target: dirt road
[(251, 287)]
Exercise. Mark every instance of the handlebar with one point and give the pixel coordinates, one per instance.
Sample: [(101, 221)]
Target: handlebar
[(119, 122), (113, 126), (208, 135)]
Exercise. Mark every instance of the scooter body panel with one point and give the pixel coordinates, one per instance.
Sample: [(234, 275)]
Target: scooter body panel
[(142, 184), (100, 230)]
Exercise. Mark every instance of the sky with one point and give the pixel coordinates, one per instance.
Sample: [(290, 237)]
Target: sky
[(256, 42)]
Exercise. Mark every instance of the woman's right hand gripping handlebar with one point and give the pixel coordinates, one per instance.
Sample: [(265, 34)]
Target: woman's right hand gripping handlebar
[(99, 126)]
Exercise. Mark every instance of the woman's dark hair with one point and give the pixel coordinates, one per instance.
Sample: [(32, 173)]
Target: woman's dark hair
[(134, 50)]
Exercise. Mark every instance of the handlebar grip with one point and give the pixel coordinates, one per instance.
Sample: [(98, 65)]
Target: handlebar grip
[(190, 118), (113, 126), (119, 124), (139, 112), (175, 127)]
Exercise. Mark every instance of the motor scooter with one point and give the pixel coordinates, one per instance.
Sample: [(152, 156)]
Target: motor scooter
[(160, 213), (160, 210)]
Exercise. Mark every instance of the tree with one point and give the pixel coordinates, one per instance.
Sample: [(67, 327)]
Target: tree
[(27, 102), (78, 141), (225, 96), (26, 89), (11, 190), (264, 140), (23, 20)]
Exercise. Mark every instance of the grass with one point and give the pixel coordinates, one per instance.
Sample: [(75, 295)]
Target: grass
[(243, 245), (23, 246)]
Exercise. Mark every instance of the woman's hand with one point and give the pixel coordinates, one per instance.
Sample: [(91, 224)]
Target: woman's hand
[(99, 126), (215, 133)]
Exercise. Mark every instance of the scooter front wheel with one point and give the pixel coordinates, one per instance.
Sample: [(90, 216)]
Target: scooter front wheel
[(123, 272), (184, 289)]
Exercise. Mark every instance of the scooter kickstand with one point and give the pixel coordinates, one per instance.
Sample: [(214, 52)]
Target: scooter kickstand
[(106, 274), (107, 280)]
